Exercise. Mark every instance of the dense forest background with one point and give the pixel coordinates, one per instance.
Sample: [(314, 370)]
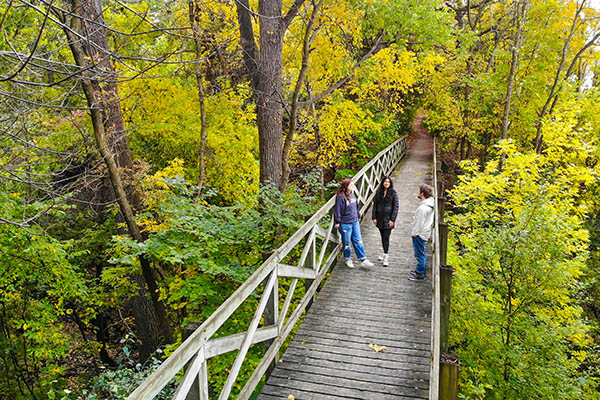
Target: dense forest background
[(153, 152)]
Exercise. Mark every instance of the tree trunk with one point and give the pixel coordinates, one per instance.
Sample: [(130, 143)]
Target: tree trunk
[(99, 87), (520, 13), (269, 110), (193, 8), (557, 78)]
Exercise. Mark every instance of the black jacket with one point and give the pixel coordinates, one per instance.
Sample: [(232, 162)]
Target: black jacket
[(385, 209)]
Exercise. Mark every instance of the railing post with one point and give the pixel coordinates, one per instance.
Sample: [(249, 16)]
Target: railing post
[(440, 183), (445, 303), (449, 377), (186, 332), (443, 232), (441, 209)]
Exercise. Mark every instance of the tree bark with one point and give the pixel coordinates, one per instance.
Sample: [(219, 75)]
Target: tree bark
[(265, 71), (557, 78), (99, 87), (520, 14), (193, 7)]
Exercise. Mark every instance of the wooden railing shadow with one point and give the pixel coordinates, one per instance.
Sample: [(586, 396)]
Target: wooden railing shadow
[(317, 244)]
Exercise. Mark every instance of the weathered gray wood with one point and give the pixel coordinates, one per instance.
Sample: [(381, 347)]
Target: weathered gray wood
[(237, 364), (322, 232), (289, 271), (273, 351), (225, 344), (445, 302), (443, 232), (186, 332), (441, 209), (190, 376), (448, 381), (435, 281)]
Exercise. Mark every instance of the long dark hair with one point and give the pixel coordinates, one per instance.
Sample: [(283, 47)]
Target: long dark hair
[(381, 189), (345, 187)]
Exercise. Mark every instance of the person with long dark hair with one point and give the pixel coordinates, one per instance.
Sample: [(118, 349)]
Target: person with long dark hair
[(346, 218), (385, 211)]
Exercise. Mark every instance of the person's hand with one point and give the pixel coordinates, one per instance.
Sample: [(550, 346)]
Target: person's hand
[(375, 221), (391, 224), (337, 226)]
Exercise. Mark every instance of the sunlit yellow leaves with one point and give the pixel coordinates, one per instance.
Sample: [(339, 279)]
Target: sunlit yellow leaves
[(339, 121), (377, 348)]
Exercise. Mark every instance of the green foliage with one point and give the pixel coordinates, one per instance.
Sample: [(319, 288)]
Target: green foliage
[(38, 287), (520, 246)]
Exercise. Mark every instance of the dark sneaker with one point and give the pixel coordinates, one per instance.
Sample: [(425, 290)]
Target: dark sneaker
[(416, 277)]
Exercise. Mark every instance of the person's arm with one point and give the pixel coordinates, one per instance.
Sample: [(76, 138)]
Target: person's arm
[(394, 207), (339, 207), (419, 220), (373, 215)]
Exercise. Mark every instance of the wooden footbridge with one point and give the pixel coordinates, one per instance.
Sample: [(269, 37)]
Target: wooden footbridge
[(365, 333)]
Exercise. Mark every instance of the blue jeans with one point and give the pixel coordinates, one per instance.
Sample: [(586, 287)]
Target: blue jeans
[(351, 234), (419, 248)]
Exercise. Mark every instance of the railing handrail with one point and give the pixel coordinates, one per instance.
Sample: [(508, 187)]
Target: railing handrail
[(435, 290), (198, 347)]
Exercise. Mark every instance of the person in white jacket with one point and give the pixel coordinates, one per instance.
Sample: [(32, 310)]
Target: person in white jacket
[(421, 230)]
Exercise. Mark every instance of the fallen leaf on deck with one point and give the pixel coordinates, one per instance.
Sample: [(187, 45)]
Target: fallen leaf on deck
[(377, 347), (291, 397)]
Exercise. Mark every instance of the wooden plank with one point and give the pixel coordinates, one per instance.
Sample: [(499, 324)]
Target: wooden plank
[(384, 375), (329, 388), (416, 370), (349, 380), (374, 335), (190, 376), (225, 344), (392, 346), (366, 353), (325, 234), (290, 271)]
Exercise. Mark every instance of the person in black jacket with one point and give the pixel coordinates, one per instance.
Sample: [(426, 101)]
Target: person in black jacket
[(385, 211)]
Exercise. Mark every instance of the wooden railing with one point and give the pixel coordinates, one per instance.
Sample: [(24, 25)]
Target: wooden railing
[(435, 289), (307, 249), (443, 382)]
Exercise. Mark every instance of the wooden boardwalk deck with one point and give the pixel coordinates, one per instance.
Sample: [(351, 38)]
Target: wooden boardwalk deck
[(330, 357)]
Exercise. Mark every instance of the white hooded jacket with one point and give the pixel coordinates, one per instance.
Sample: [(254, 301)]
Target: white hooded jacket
[(423, 219)]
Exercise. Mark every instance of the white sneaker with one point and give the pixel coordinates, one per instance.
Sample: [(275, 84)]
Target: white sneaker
[(349, 263), (366, 263), (385, 260), (379, 258)]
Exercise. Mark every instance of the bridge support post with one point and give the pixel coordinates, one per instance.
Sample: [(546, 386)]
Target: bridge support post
[(186, 332), (441, 208), (445, 303), (448, 377), (443, 232)]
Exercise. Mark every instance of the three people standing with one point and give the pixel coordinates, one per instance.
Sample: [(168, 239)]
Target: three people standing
[(385, 211)]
